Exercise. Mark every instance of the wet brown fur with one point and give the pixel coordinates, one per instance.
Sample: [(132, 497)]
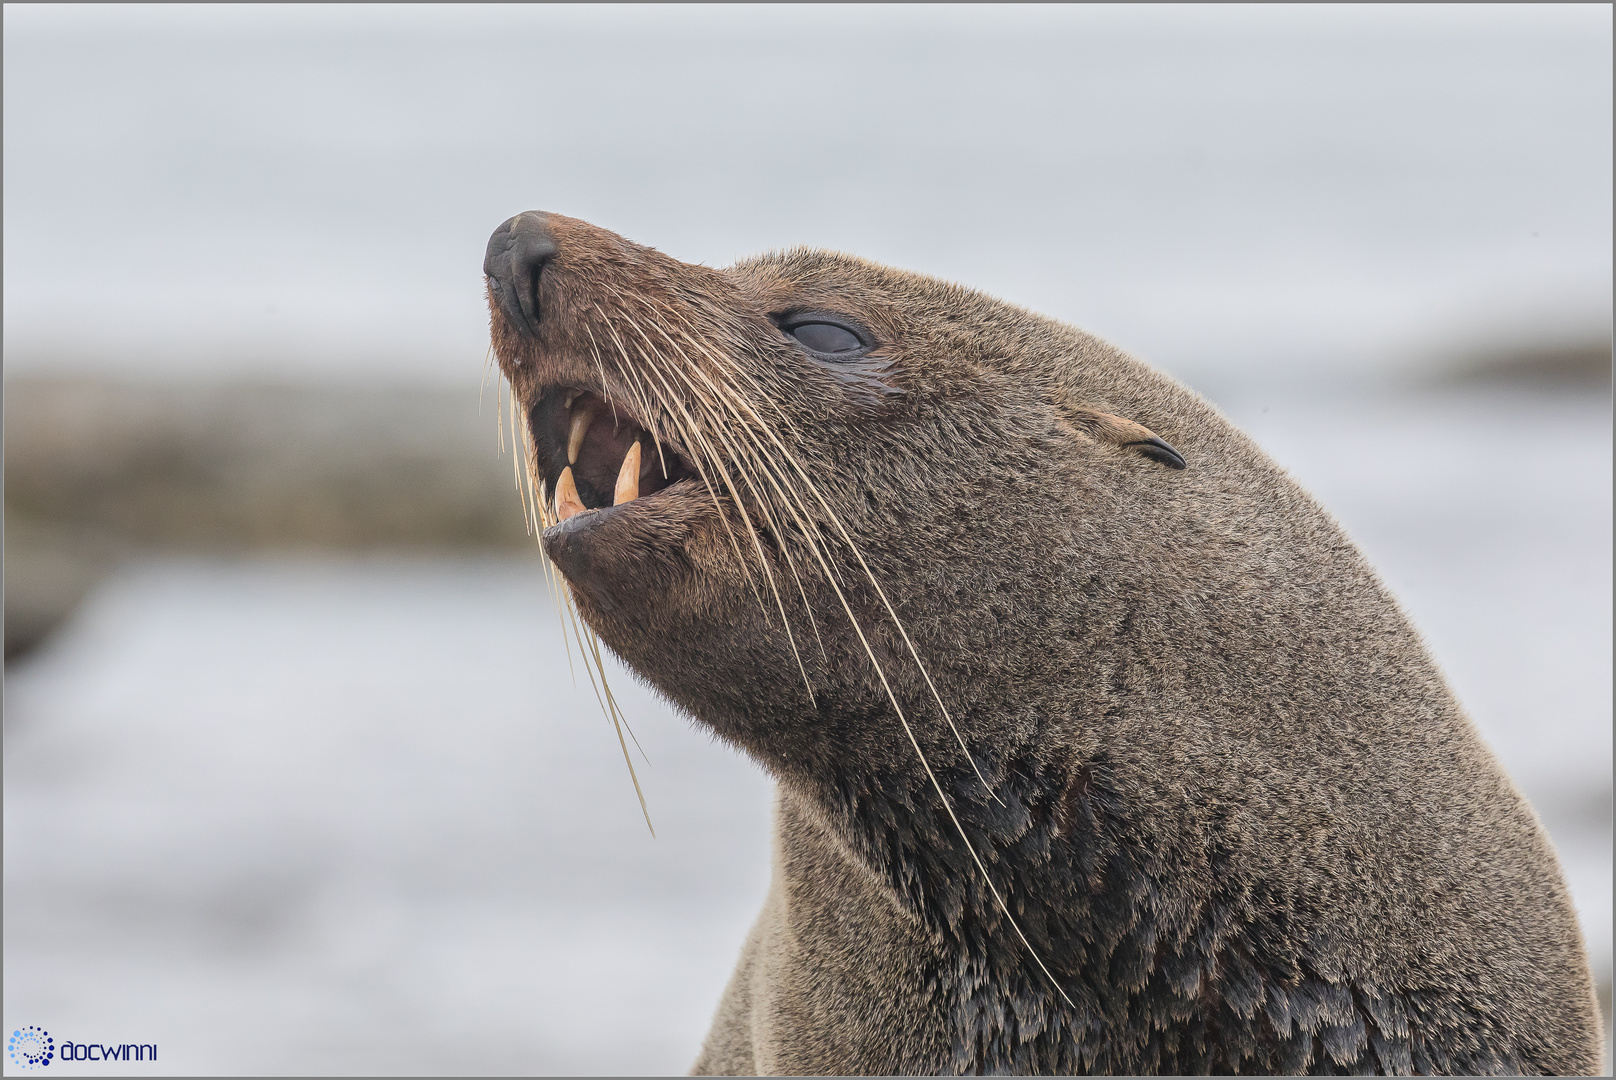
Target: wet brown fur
[(1217, 793)]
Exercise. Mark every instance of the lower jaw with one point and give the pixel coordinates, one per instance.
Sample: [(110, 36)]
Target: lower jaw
[(623, 558)]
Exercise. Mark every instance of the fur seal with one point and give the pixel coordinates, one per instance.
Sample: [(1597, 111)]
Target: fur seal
[(1099, 748)]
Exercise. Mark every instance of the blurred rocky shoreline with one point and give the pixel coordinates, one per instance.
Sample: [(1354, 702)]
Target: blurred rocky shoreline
[(98, 471)]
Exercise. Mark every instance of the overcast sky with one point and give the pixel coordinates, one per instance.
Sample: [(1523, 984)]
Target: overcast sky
[(307, 190)]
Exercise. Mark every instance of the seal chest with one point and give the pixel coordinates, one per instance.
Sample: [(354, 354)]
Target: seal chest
[(1098, 746)]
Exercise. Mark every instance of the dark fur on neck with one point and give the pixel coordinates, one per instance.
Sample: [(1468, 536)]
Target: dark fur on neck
[(1164, 978)]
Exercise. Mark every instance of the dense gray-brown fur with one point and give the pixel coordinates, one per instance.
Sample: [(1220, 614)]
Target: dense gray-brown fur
[(1229, 801)]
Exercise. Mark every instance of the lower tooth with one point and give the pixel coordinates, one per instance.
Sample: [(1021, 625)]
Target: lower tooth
[(567, 502), (628, 477)]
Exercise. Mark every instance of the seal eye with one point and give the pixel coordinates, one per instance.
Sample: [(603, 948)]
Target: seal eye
[(825, 337)]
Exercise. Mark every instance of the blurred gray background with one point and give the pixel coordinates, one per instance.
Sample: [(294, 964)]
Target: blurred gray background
[(296, 777)]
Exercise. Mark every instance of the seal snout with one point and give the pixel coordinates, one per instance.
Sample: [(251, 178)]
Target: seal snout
[(517, 254)]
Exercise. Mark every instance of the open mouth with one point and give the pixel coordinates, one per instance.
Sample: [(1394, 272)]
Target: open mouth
[(595, 455)]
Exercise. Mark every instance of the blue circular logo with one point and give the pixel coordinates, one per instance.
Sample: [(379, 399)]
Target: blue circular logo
[(31, 1047)]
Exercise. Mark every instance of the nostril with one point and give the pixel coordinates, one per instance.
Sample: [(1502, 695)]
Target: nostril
[(516, 256)]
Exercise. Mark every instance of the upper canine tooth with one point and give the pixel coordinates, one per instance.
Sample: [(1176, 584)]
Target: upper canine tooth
[(567, 502), (581, 419), (628, 477)]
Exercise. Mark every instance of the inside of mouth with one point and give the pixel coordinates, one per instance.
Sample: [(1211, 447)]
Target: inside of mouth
[(580, 431)]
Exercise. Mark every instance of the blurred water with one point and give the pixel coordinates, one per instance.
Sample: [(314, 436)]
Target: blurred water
[(324, 815), (291, 817), (296, 188)]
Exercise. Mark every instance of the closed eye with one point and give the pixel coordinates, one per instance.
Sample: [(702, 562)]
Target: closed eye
[(827, 338)]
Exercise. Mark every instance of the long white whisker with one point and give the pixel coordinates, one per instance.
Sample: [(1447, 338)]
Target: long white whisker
[(847, 539), (781, 489), (726, 396), (712, 490), (696, 430)]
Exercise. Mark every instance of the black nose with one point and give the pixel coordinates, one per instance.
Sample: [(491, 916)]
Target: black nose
[(517, 253)]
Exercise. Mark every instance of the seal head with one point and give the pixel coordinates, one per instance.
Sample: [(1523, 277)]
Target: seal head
[(1099, 748)]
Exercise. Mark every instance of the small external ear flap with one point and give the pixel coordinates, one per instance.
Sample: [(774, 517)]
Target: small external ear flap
[(1125, 433)]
